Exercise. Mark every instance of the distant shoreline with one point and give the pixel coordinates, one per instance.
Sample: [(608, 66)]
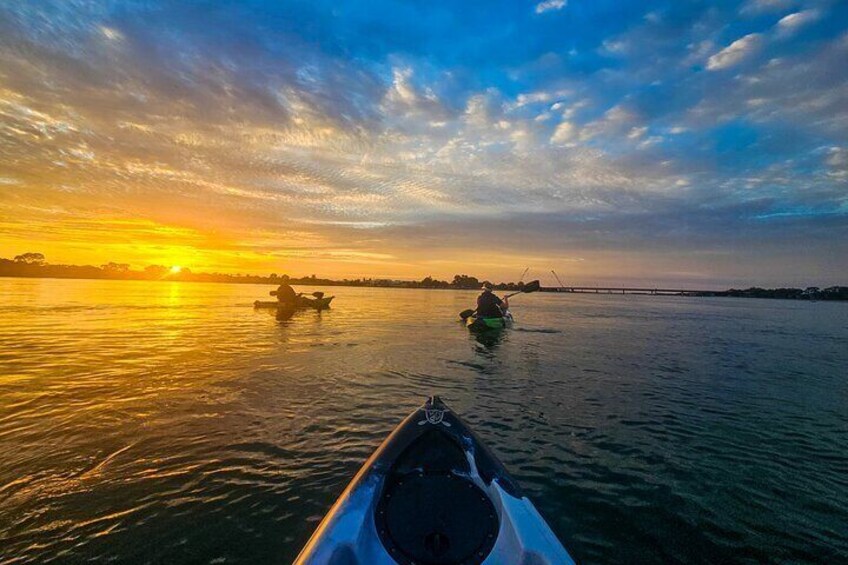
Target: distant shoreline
[(812, 294), (34, 265), (240, 280), (837, 293)]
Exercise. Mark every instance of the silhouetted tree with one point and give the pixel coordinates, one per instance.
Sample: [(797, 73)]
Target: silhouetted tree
[(30, 258), (115, 267), (464, 281), (156, 271)]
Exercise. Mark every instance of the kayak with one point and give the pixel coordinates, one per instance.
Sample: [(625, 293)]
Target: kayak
[(432, 493), (475, 323), (302, 302)]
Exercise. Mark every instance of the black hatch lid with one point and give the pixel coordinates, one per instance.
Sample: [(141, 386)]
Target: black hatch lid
[(429, 512)]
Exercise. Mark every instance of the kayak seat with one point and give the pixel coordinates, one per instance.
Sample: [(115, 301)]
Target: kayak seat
[(429, 512)]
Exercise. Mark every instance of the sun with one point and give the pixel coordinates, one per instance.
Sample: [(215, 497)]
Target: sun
[(176, 269)]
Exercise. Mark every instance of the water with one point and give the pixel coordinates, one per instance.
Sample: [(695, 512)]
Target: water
[(171, 422)]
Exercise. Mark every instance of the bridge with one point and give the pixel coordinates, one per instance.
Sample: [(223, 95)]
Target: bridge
[(629, 290), (634, 290)]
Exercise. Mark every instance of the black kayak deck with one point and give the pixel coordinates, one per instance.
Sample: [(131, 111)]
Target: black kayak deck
[(429, 510)]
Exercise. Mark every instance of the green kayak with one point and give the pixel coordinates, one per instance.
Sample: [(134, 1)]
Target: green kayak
[(302, 302), (475, 323)]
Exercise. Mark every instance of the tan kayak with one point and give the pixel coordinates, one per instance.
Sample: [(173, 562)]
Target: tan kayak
[(302, 302)]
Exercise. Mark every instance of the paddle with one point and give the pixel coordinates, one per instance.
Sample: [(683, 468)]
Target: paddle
[(465, 314), (532, 286)]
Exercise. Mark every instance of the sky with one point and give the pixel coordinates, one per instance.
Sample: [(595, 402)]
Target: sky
[(702, 144)]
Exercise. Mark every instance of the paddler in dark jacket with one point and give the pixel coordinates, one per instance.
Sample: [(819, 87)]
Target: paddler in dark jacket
[(489, 305), (285, 295)]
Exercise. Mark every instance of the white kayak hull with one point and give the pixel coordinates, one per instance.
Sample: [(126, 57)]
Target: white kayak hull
[(433, 493)]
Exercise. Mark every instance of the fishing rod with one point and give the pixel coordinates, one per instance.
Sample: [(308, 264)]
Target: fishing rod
[(557, 278)]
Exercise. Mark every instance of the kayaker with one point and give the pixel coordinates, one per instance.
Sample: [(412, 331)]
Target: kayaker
[(285, 294), (489, 305)]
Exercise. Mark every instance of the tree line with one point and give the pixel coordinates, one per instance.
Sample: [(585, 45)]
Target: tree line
[(36, 265)]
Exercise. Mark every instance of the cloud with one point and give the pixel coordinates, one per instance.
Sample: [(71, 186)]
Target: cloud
[(736, 52), (790, 24), (805, 91), (616, 122), (564, 132), (542, 96), (550, 5), (761, 6), (837, 161), (615, 47)]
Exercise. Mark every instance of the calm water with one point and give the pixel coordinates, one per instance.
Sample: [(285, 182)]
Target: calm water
[(171, 422)]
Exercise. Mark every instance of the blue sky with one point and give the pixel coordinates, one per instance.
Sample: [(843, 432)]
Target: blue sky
[(702, 143)]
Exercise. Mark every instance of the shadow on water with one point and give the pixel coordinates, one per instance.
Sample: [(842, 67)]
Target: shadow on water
[(284, 314), (490, 339)]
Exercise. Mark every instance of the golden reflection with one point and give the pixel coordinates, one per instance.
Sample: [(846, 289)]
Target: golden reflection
[(174, 294)]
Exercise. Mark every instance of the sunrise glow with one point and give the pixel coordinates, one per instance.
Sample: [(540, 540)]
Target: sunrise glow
[(658, 142)]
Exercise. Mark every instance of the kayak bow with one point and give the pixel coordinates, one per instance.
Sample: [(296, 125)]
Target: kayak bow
[(433, 494)]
